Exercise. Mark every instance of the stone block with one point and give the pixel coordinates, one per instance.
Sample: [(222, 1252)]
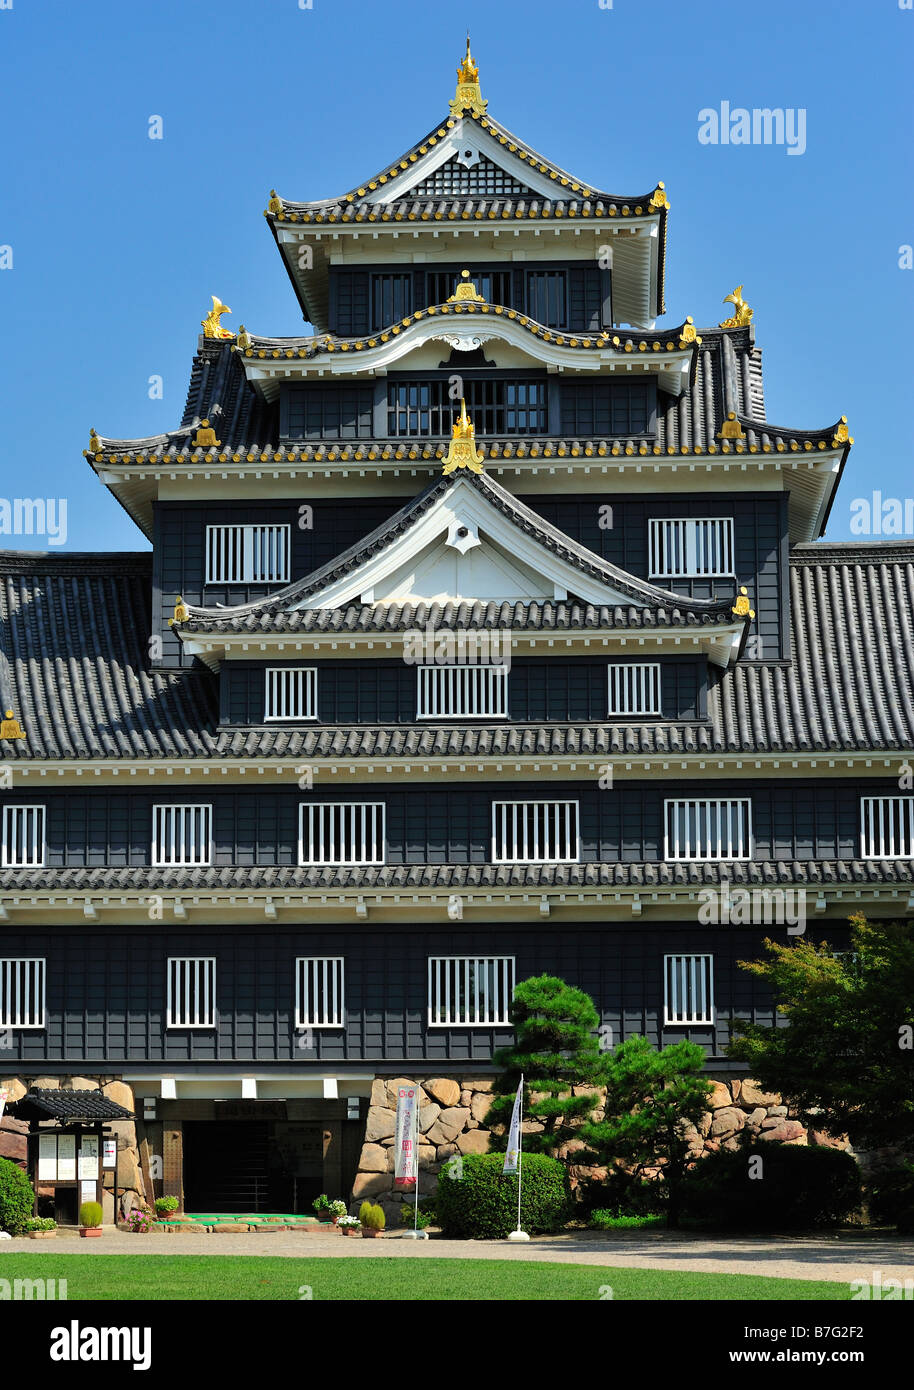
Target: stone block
[(381, 1124), (369, 1185), (373, 1159), (428, 1114), (120, 1093), (474, 1141), (752, 1095), (720, 1096), (443, 1090), (727, 1120), (480, 1106)]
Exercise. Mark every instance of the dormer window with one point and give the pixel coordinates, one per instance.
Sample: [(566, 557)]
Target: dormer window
[(462, 692), (691, 548), (247, 554), (291, 693)]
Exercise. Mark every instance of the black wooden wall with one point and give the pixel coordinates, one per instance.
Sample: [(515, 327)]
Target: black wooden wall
[(106, 1000)]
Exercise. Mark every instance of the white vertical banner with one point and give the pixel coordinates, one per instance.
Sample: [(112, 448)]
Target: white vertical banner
[(512, 1157), (407, 1149)]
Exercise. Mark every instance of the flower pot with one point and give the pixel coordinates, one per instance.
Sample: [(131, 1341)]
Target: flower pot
[(41, 1235), (324, 1218), (89, 1232), (351, 1231), (370, 1235)]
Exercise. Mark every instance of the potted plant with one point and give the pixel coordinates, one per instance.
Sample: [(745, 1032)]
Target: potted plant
[(338, 1209), (139, 1221), (40, 1227), (372, 1220), (90, 1219), (350, 1225), (322, 1206), (166, 1207)]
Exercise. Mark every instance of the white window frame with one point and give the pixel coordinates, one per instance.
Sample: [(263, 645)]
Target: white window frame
[(21, 985), (183, 981), (688, 545), (178, 812), (507, 816), (37, 839), (319, 979), (281, 682), (439, 991), (876, 819), (465, 689), (696, 971), (638, 682), (256, 553), (705, 802), (374, 841)]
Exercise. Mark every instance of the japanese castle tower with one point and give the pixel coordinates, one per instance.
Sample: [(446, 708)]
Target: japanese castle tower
[(486, 632)]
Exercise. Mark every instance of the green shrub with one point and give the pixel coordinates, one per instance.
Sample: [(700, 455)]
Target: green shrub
[(90, 1214), (476, 1201), (794, 1189), (626, 1194), (616, 1221), (41, 1223), (413, 1218), (891, 1197), (166, 1205), (16, 1198), (372, 1217)]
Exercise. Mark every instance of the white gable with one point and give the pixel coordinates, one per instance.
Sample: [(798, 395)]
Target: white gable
[(468, 142), (464, 549)]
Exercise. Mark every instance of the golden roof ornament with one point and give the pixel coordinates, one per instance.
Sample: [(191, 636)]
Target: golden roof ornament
[(206, 437), (210, 325), (688, 333), (10, 726), (741, 606), (658, 198), (731, 428), (182, 612), (468, 96), (276, 203), (95, 444), (743, 316), (462, 451), (841, 433), (244, 337), (466, 290)]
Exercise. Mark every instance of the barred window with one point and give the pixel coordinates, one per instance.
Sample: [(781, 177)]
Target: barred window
[(247, 554), (341, 832), (708, 829), (425, 408), (181, 835), (493, 285), (690, 547), (634, 688), (535, 832), (484, 179), (191, 992), (606, 408), (22, 980), (469, 991), (319, 992), (462, 692), (887, 827), (688, 995), (391, 297), (547, 297), (23, 837), (330, 412), (291, 692)]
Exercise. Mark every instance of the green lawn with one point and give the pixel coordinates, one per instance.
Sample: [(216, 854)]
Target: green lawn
[(217, 1277)]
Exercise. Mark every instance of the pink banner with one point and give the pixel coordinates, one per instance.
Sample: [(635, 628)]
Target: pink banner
[(407, 1149)]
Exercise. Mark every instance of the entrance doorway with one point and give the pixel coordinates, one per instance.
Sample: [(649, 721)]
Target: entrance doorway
[(251, 1166)]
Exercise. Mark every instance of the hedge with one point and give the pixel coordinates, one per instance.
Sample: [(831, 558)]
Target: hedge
[(477, 1201), (793, 1189)]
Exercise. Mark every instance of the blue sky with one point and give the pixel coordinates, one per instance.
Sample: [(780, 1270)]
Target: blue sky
[(119, 241)]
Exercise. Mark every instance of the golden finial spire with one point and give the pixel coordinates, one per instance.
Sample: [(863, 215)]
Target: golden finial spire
[(466, 289), (462, 451), (10, 727), (467, 96)]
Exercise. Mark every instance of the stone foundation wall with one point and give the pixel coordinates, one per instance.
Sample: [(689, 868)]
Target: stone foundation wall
[(452, 1120), (131, 1190)]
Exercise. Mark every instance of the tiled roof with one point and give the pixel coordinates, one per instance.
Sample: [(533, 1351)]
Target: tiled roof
[(818, 872), (74, 667), (68, 1105), (668, 609)]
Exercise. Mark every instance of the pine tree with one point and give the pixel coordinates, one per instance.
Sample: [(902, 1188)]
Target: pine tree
[(556, 1049), (651, 1097)]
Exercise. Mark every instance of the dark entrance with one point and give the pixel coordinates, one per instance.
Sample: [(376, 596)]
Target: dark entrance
[(226, 1167), (249, 1165)]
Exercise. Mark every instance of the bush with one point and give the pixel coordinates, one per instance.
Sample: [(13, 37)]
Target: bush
[(615, 1221), (414, 1218), (476, 1201), (41, 1223), (166, 1205), (891, 1198), (624, 1193), (90, 1214), (797, 1188), (16, 1198), (372, 1217), (139, 1221)]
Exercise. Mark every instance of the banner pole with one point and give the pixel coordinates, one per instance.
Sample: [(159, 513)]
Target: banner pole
[(520, 1146)]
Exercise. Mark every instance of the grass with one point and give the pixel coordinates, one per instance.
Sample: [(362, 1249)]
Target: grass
[(246, 1277)]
